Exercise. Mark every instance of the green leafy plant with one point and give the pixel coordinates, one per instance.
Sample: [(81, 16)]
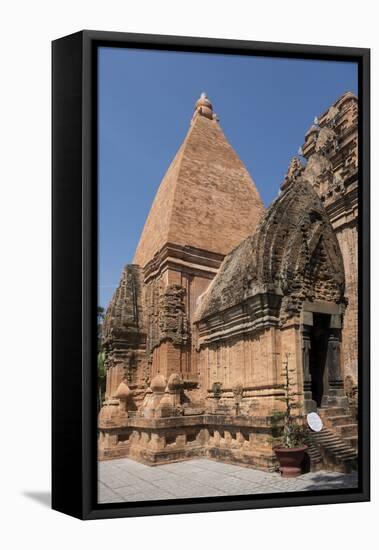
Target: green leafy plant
[(292, 430), (101, 370), (101, 376)]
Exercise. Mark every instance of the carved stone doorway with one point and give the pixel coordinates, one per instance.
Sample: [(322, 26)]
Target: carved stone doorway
[(318, 357), (321, 332)]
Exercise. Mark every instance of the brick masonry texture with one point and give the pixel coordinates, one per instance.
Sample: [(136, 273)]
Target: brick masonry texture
[(222, 293), (207, 198)]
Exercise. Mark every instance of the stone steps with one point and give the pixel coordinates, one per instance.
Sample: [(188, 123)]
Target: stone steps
[(331, 411), (347, 430), (335, 447), (338, 420), (335, 451), (315, 457), (352, 440)]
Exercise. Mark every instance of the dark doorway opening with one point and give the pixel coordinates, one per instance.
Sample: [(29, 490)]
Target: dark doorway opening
[(318, 356)]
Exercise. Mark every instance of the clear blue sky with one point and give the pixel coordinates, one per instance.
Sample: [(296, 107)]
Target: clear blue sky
[(146, 101)]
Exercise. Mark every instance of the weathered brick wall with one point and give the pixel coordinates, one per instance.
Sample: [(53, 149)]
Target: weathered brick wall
[(334, 142), (249, 359), (170, 302), (294, 252), (169, 358), (348, 240), (124, 333)]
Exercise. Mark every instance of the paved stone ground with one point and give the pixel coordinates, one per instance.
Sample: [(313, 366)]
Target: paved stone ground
[(125, 480)]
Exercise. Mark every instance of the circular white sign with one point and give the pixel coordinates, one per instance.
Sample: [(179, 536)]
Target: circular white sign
[(314, 422)]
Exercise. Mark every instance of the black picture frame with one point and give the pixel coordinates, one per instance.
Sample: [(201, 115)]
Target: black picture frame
[(74, 271)]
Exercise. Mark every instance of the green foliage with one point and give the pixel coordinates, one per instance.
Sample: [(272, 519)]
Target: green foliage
[(101, 372), (292, 430), (101, 377)]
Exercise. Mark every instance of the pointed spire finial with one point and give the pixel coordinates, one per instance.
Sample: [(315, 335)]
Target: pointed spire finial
[(295, 168), (204, 107)]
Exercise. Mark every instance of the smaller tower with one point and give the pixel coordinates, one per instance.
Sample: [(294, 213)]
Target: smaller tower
[(331, 152)]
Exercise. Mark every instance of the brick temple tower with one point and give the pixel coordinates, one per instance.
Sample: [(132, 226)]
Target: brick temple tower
[(331, 151), (205, 206), (222, 294)]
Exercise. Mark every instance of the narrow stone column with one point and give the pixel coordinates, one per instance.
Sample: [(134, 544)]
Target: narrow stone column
[(335, 394), (309, 403)]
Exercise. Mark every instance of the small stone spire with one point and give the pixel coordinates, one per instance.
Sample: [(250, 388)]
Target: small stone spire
[(295, 168), (204, 107)]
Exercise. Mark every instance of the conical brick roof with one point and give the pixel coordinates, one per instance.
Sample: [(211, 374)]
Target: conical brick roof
[(207, 199)]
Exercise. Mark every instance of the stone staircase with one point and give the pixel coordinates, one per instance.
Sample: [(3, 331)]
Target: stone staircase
[(315, 461), (337, 442), (342, 423)]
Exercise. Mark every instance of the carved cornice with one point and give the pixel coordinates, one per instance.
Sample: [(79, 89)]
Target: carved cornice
[(183, 258), (342, 208), (256, 313)]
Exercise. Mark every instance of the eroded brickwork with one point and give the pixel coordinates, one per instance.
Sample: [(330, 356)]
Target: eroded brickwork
[(124, 335), (348, 240), (223, 293), (331, 151), (250, 319)]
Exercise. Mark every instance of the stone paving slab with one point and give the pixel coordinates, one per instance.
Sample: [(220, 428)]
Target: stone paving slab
[(124, 480)]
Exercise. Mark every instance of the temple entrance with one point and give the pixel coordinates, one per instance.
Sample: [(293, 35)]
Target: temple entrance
[(321, 332), (318, 357)]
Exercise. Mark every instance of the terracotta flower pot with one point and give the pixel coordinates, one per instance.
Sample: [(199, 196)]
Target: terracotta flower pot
[(290, 460)]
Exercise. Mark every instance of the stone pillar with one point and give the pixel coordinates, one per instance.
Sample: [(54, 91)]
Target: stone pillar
[(335, 394)]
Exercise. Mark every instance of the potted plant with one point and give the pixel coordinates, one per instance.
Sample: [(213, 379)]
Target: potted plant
[(291, 450)]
